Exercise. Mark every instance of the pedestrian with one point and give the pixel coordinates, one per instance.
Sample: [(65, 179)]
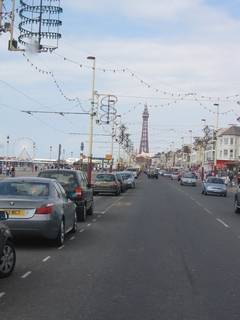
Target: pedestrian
[(7, 170), (12, 171)]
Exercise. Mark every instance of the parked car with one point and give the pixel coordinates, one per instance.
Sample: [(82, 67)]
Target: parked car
[(121, 180), (135, 171), (107, 183), (174, 176), (237, 201), (152, 173), (7, 250), (214, 185), (188, 179), (37, 207), (167, 174), (76, 186), (129, 179)]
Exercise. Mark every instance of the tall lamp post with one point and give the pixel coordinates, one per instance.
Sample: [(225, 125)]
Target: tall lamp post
[(92, 113)]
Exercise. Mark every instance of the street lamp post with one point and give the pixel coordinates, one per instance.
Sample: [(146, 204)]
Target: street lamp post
[(90, 146)]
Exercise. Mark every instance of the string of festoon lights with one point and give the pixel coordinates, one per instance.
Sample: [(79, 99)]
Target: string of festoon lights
[(78, 101), (55, 81), (148, 85)]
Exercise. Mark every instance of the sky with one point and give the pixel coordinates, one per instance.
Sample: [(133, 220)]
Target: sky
[(186, 51)]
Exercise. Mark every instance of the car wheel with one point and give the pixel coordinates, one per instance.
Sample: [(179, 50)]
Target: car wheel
[(8, 260), (90, 210), (59, 241), (236, 209), (202, 191), (83, 213), (117, 193), (74, 228)]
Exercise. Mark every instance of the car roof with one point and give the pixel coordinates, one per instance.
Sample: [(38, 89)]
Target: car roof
[(60, 170), (28, 179)]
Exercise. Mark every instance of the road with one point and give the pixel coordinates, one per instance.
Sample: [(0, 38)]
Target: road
[(161, 251)]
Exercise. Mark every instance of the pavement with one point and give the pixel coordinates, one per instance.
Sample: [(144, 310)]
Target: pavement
[(161, 251)]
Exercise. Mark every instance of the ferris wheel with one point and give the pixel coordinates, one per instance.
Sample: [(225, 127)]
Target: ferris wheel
[(25, 146)]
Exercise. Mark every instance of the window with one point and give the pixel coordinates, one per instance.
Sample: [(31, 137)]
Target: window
[(221, 141), (231, 154), (226, 141), (24, 188), (231, 141), (221, 154), (225, 153)]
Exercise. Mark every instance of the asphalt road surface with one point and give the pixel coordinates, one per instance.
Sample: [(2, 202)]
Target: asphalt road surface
[(161, 251)]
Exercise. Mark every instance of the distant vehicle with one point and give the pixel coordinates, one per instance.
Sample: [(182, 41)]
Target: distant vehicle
[(121, 180), (107, 183), (153, 173), (167, 174), (37, 207), (129, 179), (76, 186), (174, 176), (214, 185), (188, 179), (7, 250), (135, 171)]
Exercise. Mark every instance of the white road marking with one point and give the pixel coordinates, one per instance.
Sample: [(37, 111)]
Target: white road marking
[(89, 225), (223, 223), (99, 212), (94, 220), (192, 198), (72, 238), (25, 275), (198, 203), (2, 294), (207, 210), (46, 259), (60, 248), (81, 230), (113, 204)]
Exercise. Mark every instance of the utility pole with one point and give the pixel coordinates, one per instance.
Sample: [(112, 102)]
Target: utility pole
[(215, 136), (92, 113)]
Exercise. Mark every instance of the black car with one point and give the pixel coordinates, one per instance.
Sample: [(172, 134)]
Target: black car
[(76, 187), (7, 251)]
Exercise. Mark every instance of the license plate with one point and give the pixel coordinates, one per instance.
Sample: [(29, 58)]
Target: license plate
[(15, 212)]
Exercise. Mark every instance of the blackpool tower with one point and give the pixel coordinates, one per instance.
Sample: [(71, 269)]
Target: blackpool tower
[(144, 145)]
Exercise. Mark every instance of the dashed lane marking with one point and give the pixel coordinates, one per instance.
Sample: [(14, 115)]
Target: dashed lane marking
[(72, 238), (25, 275), (2, 294), (99, 212), (81, 230), (94, 220), (60, 248), (223, 223), (89, 225), (46, 259), (207, 210)]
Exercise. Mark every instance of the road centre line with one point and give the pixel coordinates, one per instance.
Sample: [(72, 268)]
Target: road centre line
[(223, 223), (2, 294), (60, 248), (46, 259), (25, 275)]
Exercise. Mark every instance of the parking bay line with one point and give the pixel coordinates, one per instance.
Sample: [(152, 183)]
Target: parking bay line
[(2, 294), (25, 275), (46, 259), (223, 223), (82, 230), (72, 238), (60, 248)]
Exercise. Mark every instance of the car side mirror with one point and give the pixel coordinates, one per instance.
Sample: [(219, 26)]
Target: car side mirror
[(4, 216)]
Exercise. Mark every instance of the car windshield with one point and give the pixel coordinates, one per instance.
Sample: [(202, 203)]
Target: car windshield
[(23, 188), (66, 178), (105, 177), (189, 176), (215, 180), (127, 175)]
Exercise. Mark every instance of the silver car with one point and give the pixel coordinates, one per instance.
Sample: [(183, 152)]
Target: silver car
[(214, 185), (129, 179), (188, 179), (37, 206)]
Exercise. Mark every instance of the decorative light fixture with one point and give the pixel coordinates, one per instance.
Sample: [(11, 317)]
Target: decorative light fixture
[(39, 26)]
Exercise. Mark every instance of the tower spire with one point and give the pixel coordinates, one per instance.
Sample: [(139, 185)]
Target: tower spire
[(144, 145)]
